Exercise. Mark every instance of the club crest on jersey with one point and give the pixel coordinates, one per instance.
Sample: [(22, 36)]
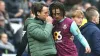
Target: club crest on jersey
[(65, 26), (57, 36)]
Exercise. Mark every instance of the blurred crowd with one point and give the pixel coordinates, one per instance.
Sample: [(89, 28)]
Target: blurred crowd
[(14, 12)]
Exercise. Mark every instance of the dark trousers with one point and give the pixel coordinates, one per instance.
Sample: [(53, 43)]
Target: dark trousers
[(22, 45)]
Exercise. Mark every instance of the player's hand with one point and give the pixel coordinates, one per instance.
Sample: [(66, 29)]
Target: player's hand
[(87, 50), (49, 19), (72, 38)]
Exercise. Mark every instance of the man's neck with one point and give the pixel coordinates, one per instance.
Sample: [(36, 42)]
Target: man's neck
[(93, 21)]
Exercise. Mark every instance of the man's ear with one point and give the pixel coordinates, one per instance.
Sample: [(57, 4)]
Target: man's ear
[(94, 18), (38, 13)]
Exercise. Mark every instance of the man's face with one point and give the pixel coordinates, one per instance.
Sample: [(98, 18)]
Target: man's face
[(78, 20), (4, 38), (87, 5), (44, 13), (2, 6), (56, 13), (97, 19)]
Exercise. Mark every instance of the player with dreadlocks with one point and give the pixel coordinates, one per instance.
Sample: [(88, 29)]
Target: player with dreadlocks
[(63, 29)]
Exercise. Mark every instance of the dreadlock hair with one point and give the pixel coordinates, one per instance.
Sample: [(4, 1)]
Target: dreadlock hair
[(37, 7), (57, 5)]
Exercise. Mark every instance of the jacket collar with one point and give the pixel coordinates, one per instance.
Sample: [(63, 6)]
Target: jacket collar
[(39, 20), (87, 24)]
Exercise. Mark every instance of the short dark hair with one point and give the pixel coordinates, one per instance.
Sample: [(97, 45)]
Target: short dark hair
[(90, 12), (37, 7), (57, 5), (92, 7)]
